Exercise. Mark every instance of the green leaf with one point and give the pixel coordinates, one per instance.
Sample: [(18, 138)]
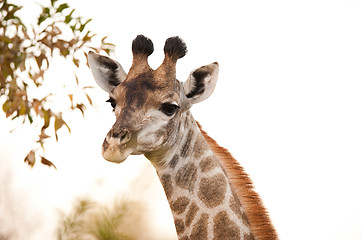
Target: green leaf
[(68, 18), (76, 62), (62, 7), (11, 107), (59, 122), (5, 40), (41, 19), (6, 106), (73, 27), (22, 109), (44, 15), (30, 118), (52, 2), (87, 38), (65, 52), (46, 116), (82, 26)]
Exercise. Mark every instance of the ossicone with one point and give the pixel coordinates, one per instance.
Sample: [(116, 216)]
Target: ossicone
[(175, 48), (142, 46)]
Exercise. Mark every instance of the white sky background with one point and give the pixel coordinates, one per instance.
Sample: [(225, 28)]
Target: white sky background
[(287, 105)]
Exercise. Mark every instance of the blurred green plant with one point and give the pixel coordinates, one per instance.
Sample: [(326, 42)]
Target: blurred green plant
[(89, 220), (26, 53)]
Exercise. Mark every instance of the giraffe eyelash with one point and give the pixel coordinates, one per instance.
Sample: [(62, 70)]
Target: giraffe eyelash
[(112, 102)]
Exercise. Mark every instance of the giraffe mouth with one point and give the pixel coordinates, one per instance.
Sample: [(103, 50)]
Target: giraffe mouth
[(112, 151)]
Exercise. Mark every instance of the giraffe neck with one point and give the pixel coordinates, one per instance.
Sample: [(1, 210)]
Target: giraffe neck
[(203, 202)]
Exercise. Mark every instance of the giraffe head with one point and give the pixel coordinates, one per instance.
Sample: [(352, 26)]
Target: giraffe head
[(148, 103)]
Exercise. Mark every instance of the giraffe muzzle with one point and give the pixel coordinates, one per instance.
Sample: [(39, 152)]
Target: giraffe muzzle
[(115, 147)]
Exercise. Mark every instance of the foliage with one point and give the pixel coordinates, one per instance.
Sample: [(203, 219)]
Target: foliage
[(26, 53), (88, 220)]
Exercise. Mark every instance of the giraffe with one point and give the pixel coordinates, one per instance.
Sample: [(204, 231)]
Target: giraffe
[(210, 195)]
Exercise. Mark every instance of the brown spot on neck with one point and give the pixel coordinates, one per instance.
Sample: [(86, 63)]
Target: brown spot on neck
[(186, 176), (179, 205), (200, 228), (179, 226), (212, 191), (166, 181), (186, 146), (192, 211), (225, 228), (208, 163), (173, 162), (200, 147)]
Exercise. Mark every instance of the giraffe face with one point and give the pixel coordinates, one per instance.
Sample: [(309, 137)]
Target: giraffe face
[(147, 103), (146, 115)]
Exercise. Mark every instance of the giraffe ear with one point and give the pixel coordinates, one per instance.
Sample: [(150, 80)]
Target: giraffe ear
[(107, 72), (201, 83)]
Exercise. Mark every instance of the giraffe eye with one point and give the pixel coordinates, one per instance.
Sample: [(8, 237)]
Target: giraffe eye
[(169, 109), (112, 102)]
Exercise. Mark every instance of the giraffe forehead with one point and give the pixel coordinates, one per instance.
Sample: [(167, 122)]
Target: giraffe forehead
[(145, 88)]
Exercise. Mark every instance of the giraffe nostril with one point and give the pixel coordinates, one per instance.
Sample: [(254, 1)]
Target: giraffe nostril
[(124, 136), (121, 137)]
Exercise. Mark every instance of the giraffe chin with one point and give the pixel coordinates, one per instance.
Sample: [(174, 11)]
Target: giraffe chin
[(116, 156)]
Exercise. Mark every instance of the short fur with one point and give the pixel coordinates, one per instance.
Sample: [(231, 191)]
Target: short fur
[(258, 218)]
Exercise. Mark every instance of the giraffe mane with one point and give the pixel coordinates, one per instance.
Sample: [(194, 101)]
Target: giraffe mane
[(257, 214)]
